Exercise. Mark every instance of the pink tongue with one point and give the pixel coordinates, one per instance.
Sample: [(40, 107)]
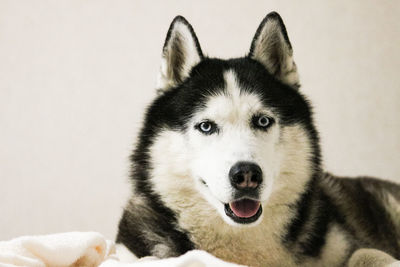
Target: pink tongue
[(245, 208)]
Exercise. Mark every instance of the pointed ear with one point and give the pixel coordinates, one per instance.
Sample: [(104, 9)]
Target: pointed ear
[(180, 54), (271, 47)]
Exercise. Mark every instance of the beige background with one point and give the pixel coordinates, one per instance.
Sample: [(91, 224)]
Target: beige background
[(75, 76)]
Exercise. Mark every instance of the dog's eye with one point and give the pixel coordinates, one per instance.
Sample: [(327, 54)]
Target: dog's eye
[(207, 127), (262, 121)]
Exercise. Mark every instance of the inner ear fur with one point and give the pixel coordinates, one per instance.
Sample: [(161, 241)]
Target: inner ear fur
[(181, 52)]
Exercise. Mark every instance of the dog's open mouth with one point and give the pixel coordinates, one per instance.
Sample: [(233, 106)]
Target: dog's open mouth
[(244, 210)]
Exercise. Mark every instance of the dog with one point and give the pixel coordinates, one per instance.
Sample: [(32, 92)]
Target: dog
[(228, 161)]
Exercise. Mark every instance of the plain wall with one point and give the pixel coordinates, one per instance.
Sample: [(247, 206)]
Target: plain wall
[(75, 77)]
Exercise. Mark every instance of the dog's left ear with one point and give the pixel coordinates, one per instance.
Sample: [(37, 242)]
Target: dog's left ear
[(181, 52), (272, 48)]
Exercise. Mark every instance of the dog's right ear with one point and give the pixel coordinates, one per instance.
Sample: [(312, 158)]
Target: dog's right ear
[(181, 52)]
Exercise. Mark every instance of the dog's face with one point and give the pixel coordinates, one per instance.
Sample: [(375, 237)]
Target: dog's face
[(233, 141), (231, 129)]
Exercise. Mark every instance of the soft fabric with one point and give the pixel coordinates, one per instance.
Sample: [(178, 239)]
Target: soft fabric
[(65, 249), (194, 258), (89, 249)]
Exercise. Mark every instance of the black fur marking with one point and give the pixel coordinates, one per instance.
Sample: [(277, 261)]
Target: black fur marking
[(291, 106), (162, 230), (302, 207), (131, 237), (308, 229), (325, 215), (376, 221)]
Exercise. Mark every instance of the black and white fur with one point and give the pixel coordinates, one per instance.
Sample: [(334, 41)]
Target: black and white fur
[(180, 174)]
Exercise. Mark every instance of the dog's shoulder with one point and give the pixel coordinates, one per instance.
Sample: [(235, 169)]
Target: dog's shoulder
[(148, 228), (369, 209)]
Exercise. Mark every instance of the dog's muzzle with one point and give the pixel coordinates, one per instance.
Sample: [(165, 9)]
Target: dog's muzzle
[(246, 178)]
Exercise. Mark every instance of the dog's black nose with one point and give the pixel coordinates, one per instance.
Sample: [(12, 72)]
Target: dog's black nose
[(245, 175)]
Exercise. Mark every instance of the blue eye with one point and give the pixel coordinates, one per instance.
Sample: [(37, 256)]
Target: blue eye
[(262, 121), (207, 127)]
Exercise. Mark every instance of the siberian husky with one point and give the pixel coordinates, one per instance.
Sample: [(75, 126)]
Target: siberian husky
[(228, 161)]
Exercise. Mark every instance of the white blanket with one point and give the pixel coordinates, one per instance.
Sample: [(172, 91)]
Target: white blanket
[(88, 249)]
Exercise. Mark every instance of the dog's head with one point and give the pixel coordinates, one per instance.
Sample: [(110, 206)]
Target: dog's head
[(233, 130)]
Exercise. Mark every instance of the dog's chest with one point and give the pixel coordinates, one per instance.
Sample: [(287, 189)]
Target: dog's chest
[(259, 245), (264, 248), (247, 247)]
